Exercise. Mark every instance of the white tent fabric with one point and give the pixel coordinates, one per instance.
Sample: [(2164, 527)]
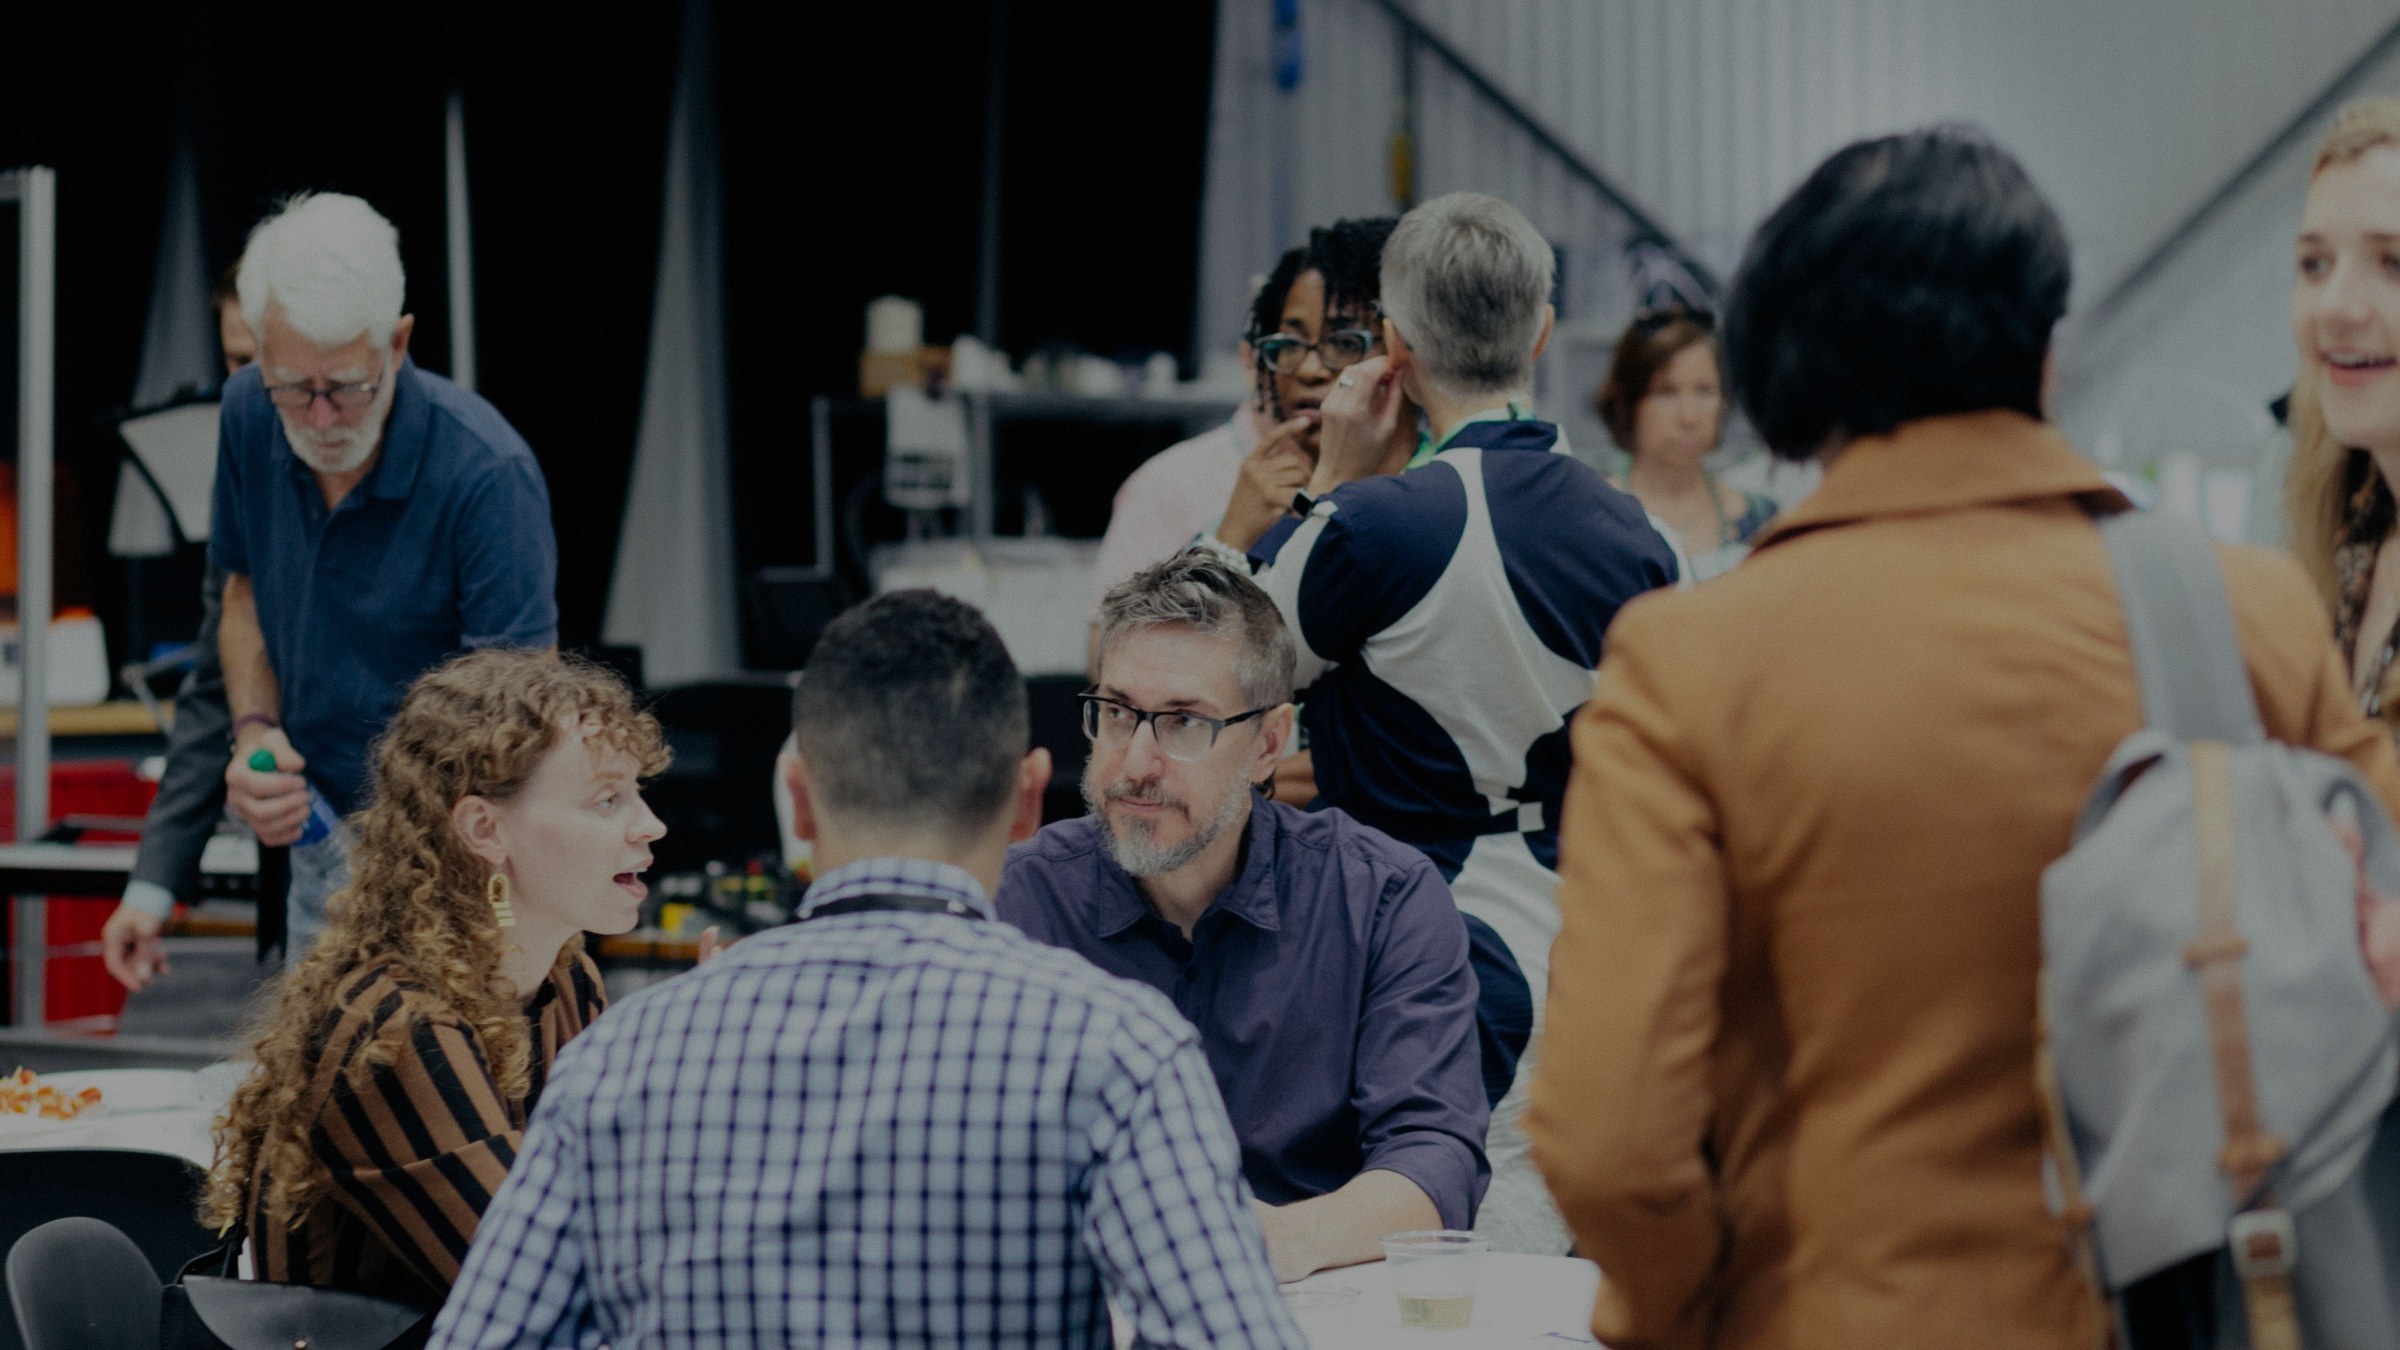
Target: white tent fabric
[(179, 346), (672, 593)]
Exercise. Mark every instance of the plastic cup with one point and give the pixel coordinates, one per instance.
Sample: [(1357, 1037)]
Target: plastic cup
[(1433, 1275), (1323, 1313)]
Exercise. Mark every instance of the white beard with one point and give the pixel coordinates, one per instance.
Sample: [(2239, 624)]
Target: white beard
[(339, 449), (336, 450)]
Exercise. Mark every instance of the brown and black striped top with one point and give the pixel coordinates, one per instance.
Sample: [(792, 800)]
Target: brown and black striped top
[(412, 1159)]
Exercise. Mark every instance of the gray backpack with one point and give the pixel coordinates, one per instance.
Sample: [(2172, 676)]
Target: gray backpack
[(2216, 1060)]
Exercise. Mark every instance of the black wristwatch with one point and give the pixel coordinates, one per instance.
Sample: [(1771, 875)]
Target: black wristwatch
[(1302, 503)]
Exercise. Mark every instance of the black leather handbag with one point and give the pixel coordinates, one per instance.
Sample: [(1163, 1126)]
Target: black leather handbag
[(208, 1308)]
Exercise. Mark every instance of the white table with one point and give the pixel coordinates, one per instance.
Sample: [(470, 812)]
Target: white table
[(1521, 1303), (149, 1110)]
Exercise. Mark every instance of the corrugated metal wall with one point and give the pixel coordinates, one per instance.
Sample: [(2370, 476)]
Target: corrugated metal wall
[(1707, 111)]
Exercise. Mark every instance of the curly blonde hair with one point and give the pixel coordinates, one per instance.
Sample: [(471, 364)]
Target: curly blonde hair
[(476, 726), (2326, 476)]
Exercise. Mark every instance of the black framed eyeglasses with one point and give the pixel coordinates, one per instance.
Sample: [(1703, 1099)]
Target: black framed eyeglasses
[(344, 397), (1185, 736), (1339, 349)]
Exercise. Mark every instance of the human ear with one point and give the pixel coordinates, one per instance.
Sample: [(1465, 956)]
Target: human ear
[(1033, 779), (1549, 321), (477, 823), (401, 332), (1274, 742), (804, 814)]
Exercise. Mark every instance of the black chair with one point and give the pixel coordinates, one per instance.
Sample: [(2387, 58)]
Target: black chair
[(715, 797), (79, 1284), (148, 1197)]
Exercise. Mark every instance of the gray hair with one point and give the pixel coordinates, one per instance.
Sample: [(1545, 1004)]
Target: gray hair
[(1465, 278), (332, 263), (1206, 593)]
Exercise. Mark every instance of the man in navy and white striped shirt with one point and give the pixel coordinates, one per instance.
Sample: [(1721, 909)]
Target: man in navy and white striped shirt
[(1450, 617), (897, 1121)]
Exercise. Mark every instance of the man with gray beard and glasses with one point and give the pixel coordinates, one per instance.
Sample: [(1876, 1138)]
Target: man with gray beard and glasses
[(1323, 963)]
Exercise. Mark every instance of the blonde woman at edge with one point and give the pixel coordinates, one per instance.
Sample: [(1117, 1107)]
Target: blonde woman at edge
[(2346, 402), (396, 1073)]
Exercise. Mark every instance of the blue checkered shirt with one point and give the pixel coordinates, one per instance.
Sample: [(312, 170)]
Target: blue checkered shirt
[(886, 1128)]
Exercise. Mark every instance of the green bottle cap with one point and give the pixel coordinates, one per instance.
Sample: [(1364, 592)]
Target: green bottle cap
[(262, 760)]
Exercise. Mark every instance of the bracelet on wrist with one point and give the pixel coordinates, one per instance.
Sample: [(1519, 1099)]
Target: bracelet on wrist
[(254, 719)]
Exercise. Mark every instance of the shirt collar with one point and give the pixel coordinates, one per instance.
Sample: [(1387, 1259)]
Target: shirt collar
[(395, 473), (1947, 464), (1508, 411), (896, 876), (1120, 904), (1474, 429)]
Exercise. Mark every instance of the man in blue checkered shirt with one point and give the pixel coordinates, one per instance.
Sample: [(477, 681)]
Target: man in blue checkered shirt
[(897, 1121)]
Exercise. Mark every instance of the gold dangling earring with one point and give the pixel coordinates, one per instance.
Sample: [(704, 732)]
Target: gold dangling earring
[(496, 891)]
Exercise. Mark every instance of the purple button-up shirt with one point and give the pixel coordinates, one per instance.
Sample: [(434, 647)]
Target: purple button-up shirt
[(1329, 984)]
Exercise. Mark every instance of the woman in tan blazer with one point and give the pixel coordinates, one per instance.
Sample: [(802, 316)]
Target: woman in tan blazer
[(1788, 1095)]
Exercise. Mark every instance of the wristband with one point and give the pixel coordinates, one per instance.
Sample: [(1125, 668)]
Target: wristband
[(261, 719), (1302, 504)]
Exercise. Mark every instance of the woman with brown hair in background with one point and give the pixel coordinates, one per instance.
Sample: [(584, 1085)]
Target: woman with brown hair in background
[(2346, 400), (1663, 402), (396, 1073)]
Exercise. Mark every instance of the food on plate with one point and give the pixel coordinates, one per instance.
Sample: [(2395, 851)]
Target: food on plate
[(23, 1093)]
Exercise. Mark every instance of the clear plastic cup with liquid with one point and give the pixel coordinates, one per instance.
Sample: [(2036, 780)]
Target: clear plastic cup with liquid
[(1433, 1274), (1323, 1312)]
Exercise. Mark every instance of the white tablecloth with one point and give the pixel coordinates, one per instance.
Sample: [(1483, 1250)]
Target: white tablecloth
[(153, 1110), (1521, 1302), (1528, 1302)]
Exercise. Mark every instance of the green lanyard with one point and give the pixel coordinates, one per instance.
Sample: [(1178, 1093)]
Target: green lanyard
[(1426, 449)]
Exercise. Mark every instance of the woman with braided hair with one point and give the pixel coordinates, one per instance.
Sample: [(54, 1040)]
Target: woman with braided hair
[(1320, 313), (1314, 316), (396, 1072)]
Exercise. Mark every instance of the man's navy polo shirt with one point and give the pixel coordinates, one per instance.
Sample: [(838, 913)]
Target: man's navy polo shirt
[(1330, 986), (444, 546)]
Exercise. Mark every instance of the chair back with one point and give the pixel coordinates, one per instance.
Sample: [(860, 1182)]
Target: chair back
[(713, 798), (149, 1198), (79, 1284)]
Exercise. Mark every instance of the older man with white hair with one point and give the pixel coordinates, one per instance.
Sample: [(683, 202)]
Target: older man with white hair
[(1450, 617), (371, 519)]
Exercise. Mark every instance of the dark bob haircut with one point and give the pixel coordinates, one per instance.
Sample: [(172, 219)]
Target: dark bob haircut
[(1908, 277)]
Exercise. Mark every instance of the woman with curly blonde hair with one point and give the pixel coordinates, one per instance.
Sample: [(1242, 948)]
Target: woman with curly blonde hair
[(2346, 402), (396, 1072)]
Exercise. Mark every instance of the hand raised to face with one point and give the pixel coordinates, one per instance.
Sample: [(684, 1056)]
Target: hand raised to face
[(1366, 418), (1274, 473)]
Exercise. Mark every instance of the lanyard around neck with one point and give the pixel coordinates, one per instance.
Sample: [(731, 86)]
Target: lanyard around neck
[(1426, 449), (871, 904)]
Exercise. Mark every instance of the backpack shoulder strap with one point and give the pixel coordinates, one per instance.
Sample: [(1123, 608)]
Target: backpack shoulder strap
[(2195, 686)]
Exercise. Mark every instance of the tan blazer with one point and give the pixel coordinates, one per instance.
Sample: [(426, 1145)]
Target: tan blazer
[(1786, 1092)]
